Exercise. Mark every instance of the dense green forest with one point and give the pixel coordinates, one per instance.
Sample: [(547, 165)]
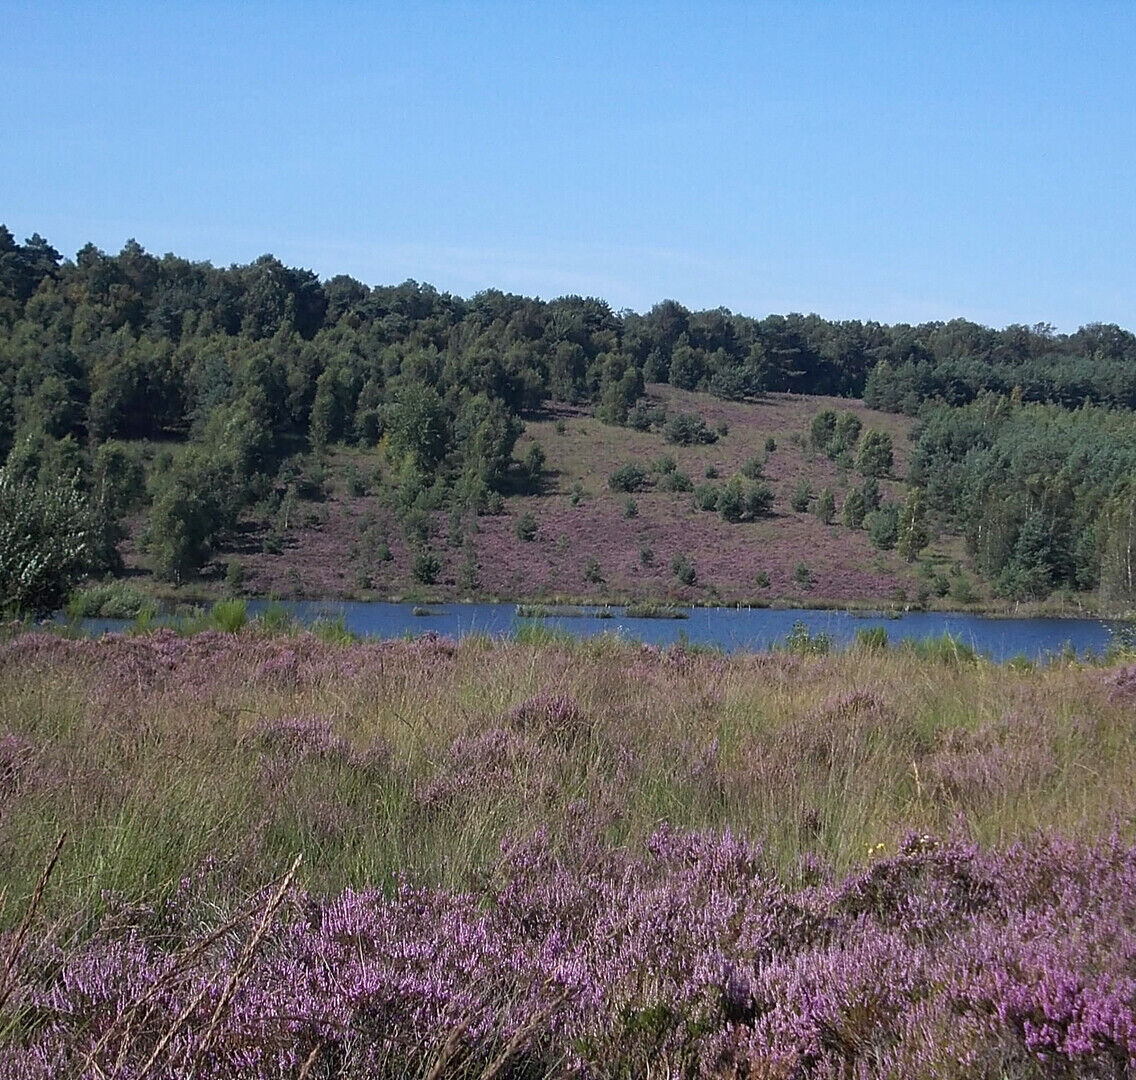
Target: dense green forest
[(239, 374)]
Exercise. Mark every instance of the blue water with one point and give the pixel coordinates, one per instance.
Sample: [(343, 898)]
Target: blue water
[(732, 629)]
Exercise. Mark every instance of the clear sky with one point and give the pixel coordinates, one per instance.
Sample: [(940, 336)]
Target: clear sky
[(900, 162)]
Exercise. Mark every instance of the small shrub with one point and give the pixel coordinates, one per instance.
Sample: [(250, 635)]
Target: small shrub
[(770, 444), (533, 463), (754, 468), (593, 574), (946, 649), (802, 643), (961, 590), (706, 497), (454, 533), (234, 575), (803, 575), (643, 417), (711, 472), (111, 600), (333, 631), (883, 526), (353, 481), (629, 477), (647, 555), (417, 528), (854, 511), (762, 580), (676, 481), (874, 455), (686, 429), (825, 508), (630, 508), (468, 568), (683, 569), (425, 567), (276, 618), (801, 497), (561, 427), (525, 527)]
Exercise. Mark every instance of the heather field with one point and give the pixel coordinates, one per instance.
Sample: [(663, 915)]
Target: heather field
[(288, 857), (351, 544)]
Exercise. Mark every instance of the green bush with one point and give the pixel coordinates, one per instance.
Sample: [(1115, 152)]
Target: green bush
[(108, 600), (686, 429), (883, 526), (234, 575), (706, 497), (754, 468), (854, 510), (874, 456), (962, 591), (526, 527), (801, 497), (683, 569), (825, 508), (352, 481), (629, 477), (676, 481), (801, 642), (425, 567)]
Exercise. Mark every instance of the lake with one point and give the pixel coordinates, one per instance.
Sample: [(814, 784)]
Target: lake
[(732, 629)]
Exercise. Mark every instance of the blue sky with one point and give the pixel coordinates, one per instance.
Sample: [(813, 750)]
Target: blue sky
[(900, 162)]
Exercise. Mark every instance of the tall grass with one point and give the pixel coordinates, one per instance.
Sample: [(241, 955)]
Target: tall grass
[(157, 752)]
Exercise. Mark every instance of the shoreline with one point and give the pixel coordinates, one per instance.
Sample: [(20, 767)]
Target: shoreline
[(172, 599)]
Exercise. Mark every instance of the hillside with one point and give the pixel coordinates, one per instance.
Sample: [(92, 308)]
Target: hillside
[(259, 429), (337, 546)]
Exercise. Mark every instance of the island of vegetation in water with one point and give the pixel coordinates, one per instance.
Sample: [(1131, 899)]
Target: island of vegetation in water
[(255, 430)]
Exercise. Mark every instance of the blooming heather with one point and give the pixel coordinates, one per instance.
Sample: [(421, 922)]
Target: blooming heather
[(587, 859), (685, 957)]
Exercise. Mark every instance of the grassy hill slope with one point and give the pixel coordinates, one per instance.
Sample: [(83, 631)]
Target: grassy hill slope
[(586, 545)]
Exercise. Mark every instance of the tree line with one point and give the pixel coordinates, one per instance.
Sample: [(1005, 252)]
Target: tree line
[(235, 371)]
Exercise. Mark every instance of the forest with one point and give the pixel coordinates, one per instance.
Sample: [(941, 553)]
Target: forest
[(238, 378)]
